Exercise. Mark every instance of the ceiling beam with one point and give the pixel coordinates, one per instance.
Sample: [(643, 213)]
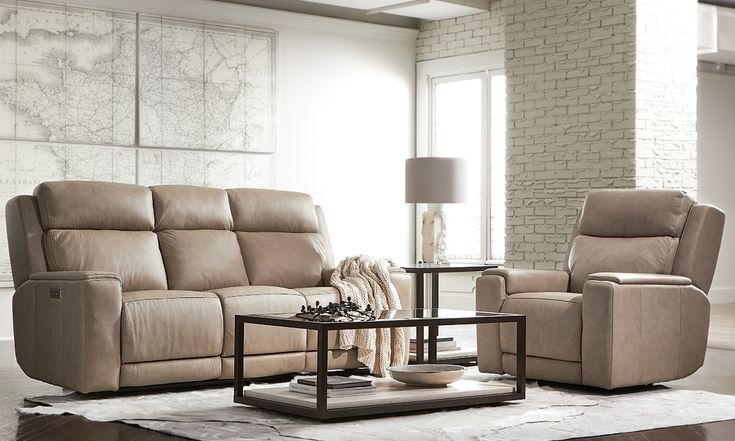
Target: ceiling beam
[(723, 3), (306, 7)]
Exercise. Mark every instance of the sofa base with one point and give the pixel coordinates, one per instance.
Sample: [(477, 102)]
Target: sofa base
[(170, 371)]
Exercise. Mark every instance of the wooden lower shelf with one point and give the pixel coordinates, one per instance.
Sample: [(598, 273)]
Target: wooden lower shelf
[(388, 391)]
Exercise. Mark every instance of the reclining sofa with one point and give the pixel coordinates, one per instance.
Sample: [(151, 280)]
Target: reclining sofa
[(127, 286), (630, 306)]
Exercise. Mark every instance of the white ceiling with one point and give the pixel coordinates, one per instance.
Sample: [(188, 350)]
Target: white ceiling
[(424, 9)]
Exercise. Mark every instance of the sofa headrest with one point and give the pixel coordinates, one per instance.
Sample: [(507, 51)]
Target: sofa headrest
[(634, 213), (185, 207), (273, 211), (89, 205)]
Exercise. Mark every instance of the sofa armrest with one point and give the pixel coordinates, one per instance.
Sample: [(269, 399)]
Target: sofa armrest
[(530, 280), (640, 279), (75, 275), (327, 276), (641, 333), (67, 329)]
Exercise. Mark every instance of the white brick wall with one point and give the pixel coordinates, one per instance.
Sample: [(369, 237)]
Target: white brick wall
[(666, 95), (571, 111), (460, 36)]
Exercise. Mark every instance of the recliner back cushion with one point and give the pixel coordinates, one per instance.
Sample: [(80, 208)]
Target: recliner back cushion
[(289, 260), (634, 213), (591, 254), (132, 254), (633, 231), (200, 260)]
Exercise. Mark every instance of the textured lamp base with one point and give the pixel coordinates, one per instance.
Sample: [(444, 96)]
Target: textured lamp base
[(433, 237)]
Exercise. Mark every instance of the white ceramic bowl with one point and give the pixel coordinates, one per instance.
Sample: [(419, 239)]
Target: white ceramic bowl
[(427, 374)]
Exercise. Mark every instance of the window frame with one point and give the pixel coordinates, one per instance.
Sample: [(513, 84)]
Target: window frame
[(429, 73)]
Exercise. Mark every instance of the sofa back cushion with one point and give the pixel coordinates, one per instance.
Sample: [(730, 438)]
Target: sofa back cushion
[(183, 237), (279, 236), (200, 260), (100, 226), (627, 231), (289, 260), (199, 250)]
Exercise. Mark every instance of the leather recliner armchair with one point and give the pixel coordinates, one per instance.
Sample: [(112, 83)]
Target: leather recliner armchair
[(630, 306)]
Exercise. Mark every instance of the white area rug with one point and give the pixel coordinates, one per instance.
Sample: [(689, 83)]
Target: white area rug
[(546, 413)]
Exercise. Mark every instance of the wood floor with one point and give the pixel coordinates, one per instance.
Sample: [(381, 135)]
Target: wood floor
[(717, 375)]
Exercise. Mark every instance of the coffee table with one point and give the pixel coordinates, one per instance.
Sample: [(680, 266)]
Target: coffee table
[(391, 396)]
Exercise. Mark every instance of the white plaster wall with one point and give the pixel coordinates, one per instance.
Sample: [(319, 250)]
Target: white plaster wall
[(345, 127), (715, 161)]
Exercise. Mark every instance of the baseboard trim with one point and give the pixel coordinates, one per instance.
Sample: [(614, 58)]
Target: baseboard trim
[(722, 294)]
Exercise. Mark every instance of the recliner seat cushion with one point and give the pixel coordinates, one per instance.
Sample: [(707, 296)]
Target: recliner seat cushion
[(168, 325), (261, 339), (553, 324), (132, 254), (200, 260)]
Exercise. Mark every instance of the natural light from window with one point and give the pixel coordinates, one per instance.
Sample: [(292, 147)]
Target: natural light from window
[(460, 107)]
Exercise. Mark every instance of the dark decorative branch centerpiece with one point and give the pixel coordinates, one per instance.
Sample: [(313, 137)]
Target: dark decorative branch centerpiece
[(337, 312)]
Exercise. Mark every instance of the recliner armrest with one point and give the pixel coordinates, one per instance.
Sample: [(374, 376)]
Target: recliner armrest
[(640, 279), (530, 280)]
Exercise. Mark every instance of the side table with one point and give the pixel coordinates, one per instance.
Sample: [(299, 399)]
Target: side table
[(422, 269)]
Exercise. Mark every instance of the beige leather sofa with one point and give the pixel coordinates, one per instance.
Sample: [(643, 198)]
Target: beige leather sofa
[(121, 285), (630, 306)]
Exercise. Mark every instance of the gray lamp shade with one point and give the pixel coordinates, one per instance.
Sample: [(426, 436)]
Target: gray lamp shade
[(436, 180)]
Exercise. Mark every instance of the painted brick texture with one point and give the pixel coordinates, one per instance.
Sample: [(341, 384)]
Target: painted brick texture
[(570, 69), (666, 95), (461, 36)]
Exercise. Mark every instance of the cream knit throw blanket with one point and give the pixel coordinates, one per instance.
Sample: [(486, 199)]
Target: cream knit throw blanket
[(367, 281)]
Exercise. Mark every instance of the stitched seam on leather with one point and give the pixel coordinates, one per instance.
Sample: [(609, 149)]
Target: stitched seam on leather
[(547, 300), (681, 328), (84, 340), (51, 248), (611, 306), (691, 252), (25, 237)]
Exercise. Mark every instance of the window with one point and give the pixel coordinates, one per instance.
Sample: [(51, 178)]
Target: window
[(468, 121)]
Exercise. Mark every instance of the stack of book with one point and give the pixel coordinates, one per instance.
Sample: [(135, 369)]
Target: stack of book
[(443, 344), (337, 386)]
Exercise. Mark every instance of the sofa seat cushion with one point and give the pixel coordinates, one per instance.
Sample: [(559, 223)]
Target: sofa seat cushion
[(168, 325), (261, 339), (553, 324), (323, 295)]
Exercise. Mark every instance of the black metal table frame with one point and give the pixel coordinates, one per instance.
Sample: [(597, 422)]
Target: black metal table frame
[(421, 270), (323, 413)]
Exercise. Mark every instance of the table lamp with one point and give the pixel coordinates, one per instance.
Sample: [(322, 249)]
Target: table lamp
[(435, 181)]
